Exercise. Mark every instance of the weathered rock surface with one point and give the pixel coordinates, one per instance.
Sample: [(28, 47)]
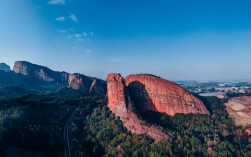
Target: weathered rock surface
[(239, 108), (157, 94), (117, 95), (4, 67), (120, 104)]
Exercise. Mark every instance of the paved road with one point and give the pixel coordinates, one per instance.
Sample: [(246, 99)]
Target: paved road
[(66, 137)]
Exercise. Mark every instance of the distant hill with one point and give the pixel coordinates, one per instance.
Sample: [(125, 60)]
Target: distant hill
[(4, 67), (40, 78)]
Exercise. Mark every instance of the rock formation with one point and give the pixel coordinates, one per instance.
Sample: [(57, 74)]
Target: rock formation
[(157, 94), (4, 67), (239, 108), (117, 95), (87, 85), (152, 93), (41, 72), (120, 104), (98, 86)]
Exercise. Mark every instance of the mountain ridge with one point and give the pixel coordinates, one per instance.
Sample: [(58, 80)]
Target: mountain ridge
[(44, 78)]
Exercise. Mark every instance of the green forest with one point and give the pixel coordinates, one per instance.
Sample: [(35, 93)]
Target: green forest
[(33, 124)]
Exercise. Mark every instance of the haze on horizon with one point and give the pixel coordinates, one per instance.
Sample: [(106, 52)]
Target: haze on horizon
[(177, 40)]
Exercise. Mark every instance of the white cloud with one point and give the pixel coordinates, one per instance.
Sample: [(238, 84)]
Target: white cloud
[(84, 34), (78, 36), (55, 2), (60, 19), (68, 36), (73, 18)]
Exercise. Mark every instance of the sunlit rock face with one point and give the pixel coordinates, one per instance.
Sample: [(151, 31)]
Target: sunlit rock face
[(117, 95), (79, 82), (152, 93), (4, 67), (120, 104), (157, 94)]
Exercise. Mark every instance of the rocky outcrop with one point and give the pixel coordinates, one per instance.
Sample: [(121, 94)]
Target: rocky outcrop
[(152, 93), (98, 87), (79, 82), (4, 67), (87, 85), (157, 94), (117, 96), (239, 108), (120, 104)]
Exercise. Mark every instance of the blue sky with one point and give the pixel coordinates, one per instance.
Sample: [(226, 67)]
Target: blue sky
[(178, 40)]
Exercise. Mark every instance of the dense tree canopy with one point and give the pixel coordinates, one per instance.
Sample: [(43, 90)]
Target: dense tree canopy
[(35, 123)]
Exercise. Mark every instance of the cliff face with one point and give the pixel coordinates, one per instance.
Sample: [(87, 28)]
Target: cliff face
[(98, 87), (41, 72), (117, 95), (79, 82), (148, 92), (156, 94), (85, 84), (121, 105)]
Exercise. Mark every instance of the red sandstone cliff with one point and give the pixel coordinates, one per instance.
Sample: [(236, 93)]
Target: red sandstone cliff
[(120, 104), (157, 94)]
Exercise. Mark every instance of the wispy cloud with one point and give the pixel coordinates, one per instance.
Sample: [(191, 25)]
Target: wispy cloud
[(84, 34), (73, 18), (88, 53), (63, 31), (69, 36), (78, 36), (55, 2), (87, 34), (60, 19), (67, 30)]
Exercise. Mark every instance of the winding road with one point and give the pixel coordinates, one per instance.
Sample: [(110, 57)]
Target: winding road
[(67, 151)]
